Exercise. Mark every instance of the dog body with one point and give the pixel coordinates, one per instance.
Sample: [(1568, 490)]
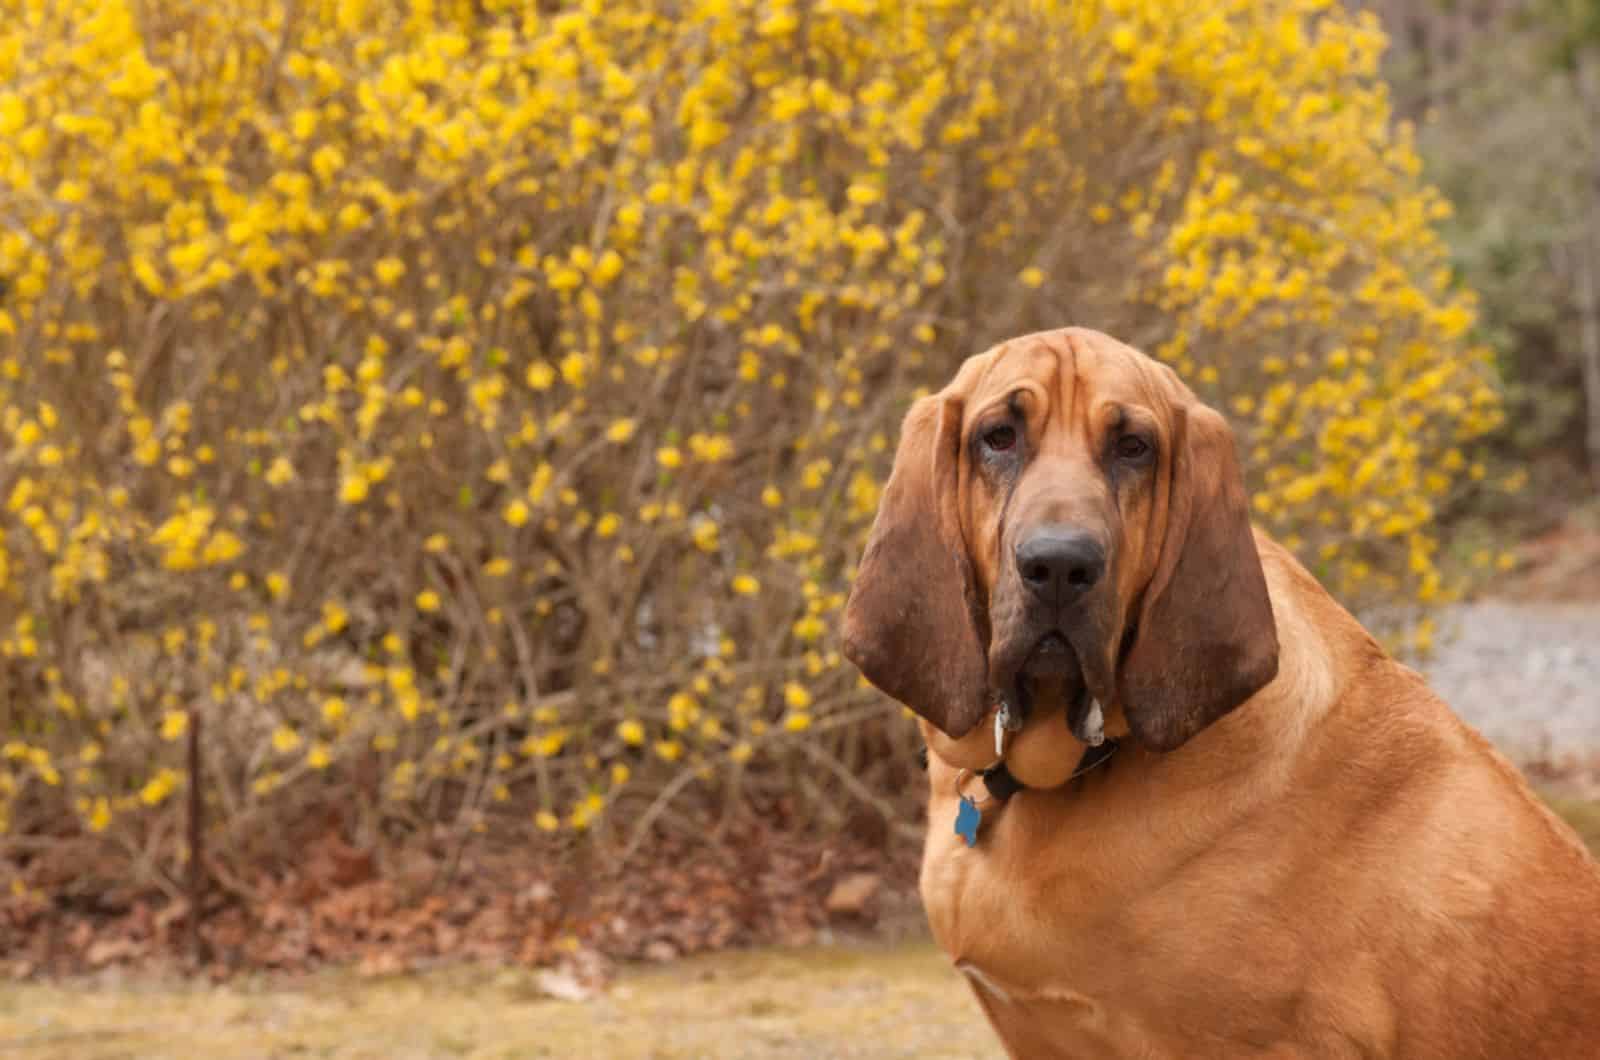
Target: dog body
[(1337, 868), (1297, 850)]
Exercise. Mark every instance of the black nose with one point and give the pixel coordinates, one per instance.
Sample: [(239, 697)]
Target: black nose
[(1060, 564)]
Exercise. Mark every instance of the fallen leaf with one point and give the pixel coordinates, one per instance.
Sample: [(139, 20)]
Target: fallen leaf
[(562, 984)]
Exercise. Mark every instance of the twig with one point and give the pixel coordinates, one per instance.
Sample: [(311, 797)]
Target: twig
[(891, 816), (656, 809)]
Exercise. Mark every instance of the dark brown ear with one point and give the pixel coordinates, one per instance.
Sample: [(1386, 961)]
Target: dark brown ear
[(910, 624), (1206, 641)]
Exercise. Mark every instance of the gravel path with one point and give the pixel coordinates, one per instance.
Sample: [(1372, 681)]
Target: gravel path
[(1526, 675)]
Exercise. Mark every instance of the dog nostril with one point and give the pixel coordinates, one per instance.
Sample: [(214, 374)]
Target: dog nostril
[(1059, 563)]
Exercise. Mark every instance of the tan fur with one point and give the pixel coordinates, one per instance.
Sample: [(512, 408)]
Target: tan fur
[(1338, 867)]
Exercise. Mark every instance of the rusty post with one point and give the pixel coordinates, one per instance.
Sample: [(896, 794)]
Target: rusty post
[(197, 878)]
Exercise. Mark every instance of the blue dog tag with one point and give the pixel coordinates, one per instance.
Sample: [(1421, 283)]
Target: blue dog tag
[(968, 817)]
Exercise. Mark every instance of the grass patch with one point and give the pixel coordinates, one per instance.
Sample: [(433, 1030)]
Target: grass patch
[(1583, 815), (858, 1001)]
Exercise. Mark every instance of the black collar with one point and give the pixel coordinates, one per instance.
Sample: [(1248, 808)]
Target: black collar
[(1002, 784)]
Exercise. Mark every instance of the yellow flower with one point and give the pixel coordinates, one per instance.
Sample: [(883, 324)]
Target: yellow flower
[(631, 733), (621, 430), (809, 628), (223, 546), (389, 270), (669, 456), (516, 513), (1032, 276), (669, 750), (587, 810), (353, 488), (705, 535), (575, 369), (543, 475), (797, 722), (547, 746), (796, 696), (540, 376), (280, 472), (333, 710), (682, 710), (158, 787), (864, 194), (285, 739), (711, 448), (546, 821), (746, 585), (608, 268), (319, 756), (174, 724)]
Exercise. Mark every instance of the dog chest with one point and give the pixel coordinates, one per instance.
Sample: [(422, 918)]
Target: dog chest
[(1069, 956)]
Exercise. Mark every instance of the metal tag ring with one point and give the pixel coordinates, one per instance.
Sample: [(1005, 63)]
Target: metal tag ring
[(961, 778)]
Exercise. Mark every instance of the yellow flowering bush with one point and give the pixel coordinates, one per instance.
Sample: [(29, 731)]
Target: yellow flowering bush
[(476, 408)]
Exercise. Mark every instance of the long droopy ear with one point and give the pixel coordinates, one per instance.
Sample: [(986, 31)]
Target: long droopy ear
[(911, 621), (1206, 640)]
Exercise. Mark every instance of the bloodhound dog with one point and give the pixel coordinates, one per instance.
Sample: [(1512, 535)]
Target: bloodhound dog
[(1296, 849)]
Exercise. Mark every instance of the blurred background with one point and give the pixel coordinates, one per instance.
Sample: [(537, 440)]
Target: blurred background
[(438, 437)]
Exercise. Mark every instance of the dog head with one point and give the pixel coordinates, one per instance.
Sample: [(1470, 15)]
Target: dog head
[(1065, 525)]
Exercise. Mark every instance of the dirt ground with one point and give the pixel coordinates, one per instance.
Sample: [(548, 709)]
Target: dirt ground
[(842, 1001)]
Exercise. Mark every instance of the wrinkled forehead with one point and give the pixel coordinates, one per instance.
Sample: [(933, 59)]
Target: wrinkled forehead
[(1069, 368)]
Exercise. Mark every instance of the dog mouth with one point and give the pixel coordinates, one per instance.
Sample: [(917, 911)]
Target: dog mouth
[(1051, 678)]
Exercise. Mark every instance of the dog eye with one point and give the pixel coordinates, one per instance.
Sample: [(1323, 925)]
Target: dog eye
[(1000, 438), (1132, 447)]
